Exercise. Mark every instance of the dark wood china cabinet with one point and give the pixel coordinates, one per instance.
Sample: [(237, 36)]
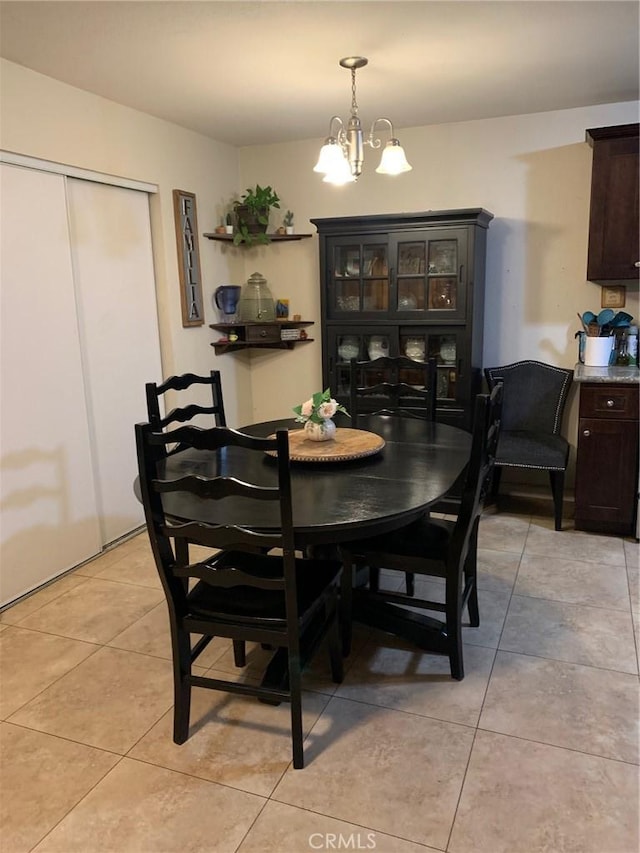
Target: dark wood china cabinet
[(406, 284)]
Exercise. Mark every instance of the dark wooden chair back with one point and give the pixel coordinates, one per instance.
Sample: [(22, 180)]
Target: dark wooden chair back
[(185, 413), (393, 386), (241, 591), (151, 451), (477, 485)]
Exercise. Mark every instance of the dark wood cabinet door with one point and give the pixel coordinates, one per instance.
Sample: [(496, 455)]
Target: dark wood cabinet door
[(614, 242), (606, 474)]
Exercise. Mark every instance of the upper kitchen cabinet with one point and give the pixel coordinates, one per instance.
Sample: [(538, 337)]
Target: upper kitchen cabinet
[(406, 284), (614, 242)]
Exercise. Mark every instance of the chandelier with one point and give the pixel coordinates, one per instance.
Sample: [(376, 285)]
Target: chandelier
[(342, 154)]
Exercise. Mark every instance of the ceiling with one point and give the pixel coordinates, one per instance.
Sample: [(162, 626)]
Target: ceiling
[(249, 73)]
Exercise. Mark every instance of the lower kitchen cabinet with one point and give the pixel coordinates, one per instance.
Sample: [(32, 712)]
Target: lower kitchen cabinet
[(607, 460)]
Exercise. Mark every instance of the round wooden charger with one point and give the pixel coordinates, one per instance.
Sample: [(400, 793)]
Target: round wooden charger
[(348, 444)]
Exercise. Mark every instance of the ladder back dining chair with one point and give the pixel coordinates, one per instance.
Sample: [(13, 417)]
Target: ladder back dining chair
[(240, 592), (155, 392), (183, 414), (432, 547), (392, 386), (395, 387)]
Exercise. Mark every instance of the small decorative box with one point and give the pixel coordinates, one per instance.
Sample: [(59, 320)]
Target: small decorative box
[(289, 334)]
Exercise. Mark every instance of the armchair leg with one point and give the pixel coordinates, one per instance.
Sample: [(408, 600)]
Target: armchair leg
[(557, 490)]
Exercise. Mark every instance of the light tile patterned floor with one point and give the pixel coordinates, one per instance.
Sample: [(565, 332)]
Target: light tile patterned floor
[(536, 750)]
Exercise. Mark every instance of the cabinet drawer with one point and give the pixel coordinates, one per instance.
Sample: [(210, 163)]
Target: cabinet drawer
[(609, 401), (262, 332)]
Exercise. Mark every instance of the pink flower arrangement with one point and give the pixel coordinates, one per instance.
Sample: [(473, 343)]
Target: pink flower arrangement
[(318, 408)]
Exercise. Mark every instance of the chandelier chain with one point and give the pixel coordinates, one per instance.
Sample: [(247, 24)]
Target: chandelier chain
[(354, 104)]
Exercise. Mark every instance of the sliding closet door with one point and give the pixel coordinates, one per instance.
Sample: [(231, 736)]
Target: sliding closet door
[(114, 277), (49, 519)]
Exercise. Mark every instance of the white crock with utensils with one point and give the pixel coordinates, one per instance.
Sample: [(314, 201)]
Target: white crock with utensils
[(597, 351)]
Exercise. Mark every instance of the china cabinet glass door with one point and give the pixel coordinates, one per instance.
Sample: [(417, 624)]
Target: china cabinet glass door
[(361, 343), (447, 346), (430, 275), (359, 280)]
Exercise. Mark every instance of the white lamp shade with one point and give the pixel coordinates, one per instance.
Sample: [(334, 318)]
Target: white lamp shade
[(340, 172), (330, 156), (393, 160)]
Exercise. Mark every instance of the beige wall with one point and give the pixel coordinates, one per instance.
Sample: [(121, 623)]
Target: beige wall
[(43, 118), (532, 172)]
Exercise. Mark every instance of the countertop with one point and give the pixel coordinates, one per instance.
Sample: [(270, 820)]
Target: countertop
[(582, 373)]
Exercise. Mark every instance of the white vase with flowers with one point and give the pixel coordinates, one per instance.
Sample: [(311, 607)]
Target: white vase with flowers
[(317, 413)]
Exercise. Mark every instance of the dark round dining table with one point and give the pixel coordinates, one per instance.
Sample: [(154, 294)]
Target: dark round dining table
[(338, 501)]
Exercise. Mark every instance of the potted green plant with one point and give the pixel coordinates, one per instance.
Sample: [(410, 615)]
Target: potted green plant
[(252, 215), (287, 221), (229, 223)]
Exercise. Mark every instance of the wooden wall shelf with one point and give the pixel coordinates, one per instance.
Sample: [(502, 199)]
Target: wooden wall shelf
[(258, 335), (273, 238)]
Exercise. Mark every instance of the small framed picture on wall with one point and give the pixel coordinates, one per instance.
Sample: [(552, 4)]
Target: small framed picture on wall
[(613, 297)]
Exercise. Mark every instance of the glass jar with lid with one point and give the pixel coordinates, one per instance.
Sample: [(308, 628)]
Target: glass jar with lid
[(256, 302)]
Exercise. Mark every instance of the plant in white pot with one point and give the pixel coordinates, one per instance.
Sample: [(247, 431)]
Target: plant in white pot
[(287, 221)]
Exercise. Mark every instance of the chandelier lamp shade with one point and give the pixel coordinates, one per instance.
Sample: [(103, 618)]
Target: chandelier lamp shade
[(342, 155)]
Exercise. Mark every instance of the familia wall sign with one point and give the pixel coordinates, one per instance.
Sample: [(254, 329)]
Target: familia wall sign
[(186, 218)]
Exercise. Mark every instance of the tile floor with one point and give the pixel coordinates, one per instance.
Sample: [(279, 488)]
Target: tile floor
[(536, 750)]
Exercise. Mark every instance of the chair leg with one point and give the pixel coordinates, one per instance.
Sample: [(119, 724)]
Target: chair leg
[(557, 490), (453, 615), (346, 603), (295, 686), (239, 653), (471, 576), (335, 649), (181, 685), (454, 630), (410, 583), (495, 484), (472, 606), (374, 579)]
